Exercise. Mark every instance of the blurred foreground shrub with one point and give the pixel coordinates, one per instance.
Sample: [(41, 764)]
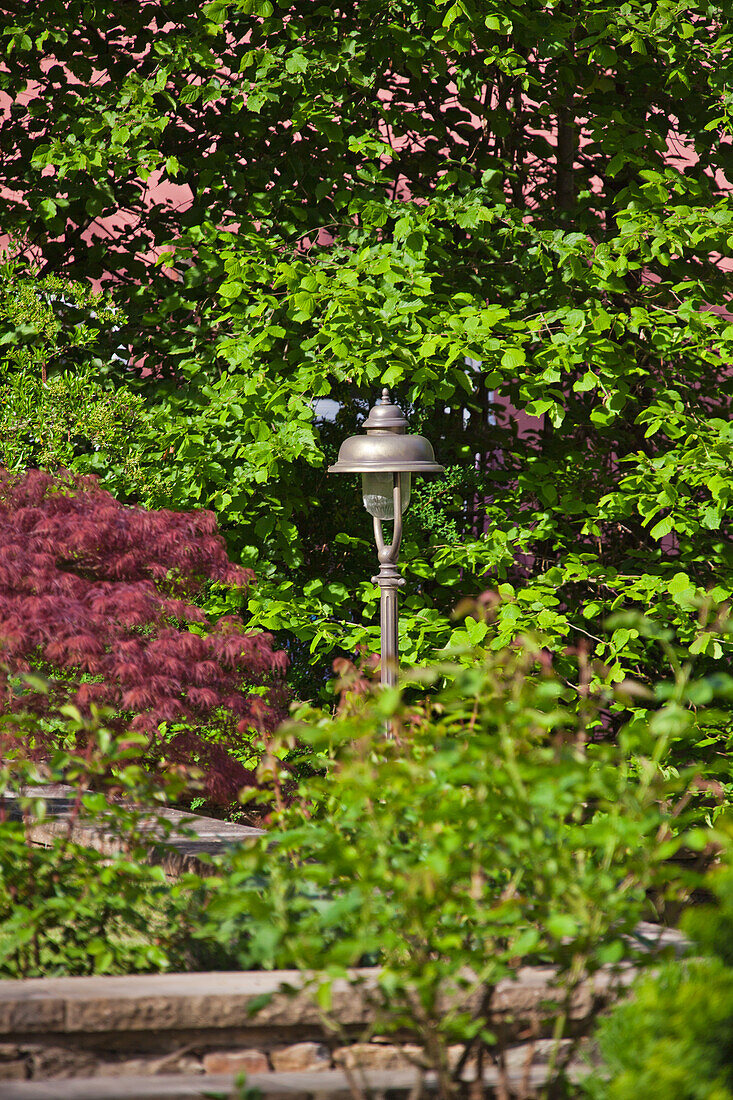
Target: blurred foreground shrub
[(485, 834), (673, 1040), (488, 833)]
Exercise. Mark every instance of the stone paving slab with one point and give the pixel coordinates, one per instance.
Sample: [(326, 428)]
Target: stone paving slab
[(327, 1083)]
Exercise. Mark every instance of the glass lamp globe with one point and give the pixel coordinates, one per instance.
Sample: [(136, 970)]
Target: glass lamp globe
[(377, 492)]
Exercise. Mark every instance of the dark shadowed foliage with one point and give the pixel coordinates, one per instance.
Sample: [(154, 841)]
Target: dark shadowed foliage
[(98, 596)]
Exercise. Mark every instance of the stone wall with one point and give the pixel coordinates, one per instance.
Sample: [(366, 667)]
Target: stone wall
[(226, 1023)]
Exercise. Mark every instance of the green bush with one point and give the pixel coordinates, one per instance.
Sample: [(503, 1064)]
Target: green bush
[(72, 422), (673, 1040)]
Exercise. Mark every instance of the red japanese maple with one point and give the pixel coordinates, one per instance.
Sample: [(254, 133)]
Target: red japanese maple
[(97, 595)]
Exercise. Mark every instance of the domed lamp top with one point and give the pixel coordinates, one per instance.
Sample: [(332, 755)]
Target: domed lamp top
[(386, 448)]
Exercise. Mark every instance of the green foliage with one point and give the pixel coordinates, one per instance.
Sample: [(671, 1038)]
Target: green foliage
[(486, 834), (73, 422), (57, 410), (50, 324), (673, 1039), (626, 453), (66, 908)]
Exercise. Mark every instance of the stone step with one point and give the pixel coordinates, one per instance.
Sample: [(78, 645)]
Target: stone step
[(190, 845)]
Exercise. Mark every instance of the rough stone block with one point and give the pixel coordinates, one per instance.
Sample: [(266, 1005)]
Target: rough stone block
[(111, 1013), (144, 1067), (13, 1071), (55, 1061), (301, 1058), (455, 1053), (33, 1012), (236, 1061), (378, 1056)]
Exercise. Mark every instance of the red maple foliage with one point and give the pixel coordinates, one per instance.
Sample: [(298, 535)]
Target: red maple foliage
[(97, 595)]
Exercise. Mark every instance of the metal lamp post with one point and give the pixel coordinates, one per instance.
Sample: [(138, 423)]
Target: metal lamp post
[(386, 458)]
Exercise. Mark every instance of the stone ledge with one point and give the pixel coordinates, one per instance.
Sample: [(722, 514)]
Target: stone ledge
[(205, 1026), (225, 1000), (257, 1000), (139, 1002)]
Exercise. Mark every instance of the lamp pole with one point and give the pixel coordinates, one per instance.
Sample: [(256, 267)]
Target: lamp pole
[(389, 580), (387, 457)]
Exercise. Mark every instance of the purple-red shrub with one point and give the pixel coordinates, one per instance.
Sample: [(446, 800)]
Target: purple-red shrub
[(97, 595)]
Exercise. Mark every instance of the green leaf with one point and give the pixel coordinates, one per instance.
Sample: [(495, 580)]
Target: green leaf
[(513, 358), (662, 528), (296, 62), (679, 583), (562, 926), (454, 12)]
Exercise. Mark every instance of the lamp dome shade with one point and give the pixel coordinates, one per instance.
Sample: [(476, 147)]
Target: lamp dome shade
[(386, 452)]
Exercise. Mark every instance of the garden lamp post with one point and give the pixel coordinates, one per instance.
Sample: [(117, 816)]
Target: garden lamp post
[(386, 458)]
